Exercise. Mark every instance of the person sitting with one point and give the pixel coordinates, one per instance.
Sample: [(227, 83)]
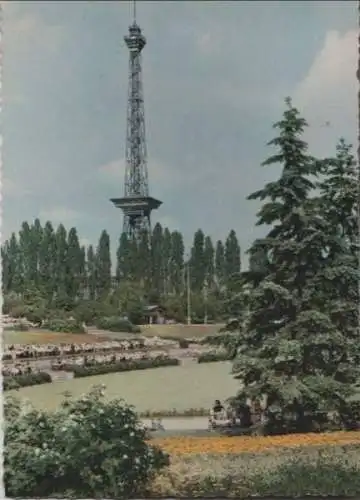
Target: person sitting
[(218, 411), (218, 407)]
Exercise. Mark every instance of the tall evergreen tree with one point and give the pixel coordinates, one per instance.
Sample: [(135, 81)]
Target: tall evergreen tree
[(209, 261), (338, 204), (82, 273), (197, 261), (291, 351), (36, 233), (103, 265), (232, 257), (73, 265), (166, 256), (220, 263), (12, 275), (48, 260), (339, 193), (60, 265), (144, 262), (177, 263), (25, 250), (156, 261), (91, 272)]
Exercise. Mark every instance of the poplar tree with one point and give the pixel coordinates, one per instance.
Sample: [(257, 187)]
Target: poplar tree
[(103, 266), (197, 262), (177, 263), (91, 273), (220, 263)]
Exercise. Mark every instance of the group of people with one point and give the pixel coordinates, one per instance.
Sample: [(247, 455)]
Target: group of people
[(242, 415)]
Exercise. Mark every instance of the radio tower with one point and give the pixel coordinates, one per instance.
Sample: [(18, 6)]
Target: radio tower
[(136, 203)]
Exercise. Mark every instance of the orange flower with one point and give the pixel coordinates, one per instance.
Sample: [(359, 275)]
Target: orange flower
[(246, 444)]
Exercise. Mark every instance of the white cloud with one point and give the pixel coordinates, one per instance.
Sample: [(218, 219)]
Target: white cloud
[(12, 189), (328, 93), (29, 30), (59, 215)]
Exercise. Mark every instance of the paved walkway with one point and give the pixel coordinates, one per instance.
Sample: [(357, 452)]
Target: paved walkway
[(181, 424)]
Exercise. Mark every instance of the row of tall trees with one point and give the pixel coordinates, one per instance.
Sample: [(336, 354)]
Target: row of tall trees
[(299, 341), (55, 264)]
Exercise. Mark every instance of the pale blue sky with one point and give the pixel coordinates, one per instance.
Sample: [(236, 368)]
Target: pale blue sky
[(215, 77)]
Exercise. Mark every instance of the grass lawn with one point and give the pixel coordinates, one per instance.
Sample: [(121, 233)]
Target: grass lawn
[(184, 331), (182, 387), (47, 337)]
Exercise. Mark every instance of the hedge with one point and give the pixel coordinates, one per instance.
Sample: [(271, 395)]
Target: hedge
[(117, 324), (16, 381), (63, 325), (211, 357), (121, 366)]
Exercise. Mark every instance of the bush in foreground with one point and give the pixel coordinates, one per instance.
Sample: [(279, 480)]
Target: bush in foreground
[(121, 366), (89, 448), (27, 379)]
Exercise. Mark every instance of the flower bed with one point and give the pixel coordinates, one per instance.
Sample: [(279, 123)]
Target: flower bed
[(311, 471), (25, 380), (121, 366), (248, 444)]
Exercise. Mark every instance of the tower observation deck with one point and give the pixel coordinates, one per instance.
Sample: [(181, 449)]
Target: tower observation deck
[(136, 203)]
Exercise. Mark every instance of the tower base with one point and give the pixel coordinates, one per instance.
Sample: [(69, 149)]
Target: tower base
[(137, 210)]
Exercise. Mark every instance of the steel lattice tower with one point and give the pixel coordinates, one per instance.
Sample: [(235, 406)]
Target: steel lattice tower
[(136, 203)]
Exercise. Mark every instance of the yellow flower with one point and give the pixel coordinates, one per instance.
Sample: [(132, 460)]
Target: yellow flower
[(250, 444)]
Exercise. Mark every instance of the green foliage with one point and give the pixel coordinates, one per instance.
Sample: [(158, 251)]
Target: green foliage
[(46, 269), (298, 345), (64, 325), (297, 478), (310, 472), (211, 357), (89, 448), (120, 366), (117, 324), (103, 266), (19, 327), (16, 381)]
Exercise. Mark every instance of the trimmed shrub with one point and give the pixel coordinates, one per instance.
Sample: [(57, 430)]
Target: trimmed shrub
[(88, 448), (212, 357), (183, 343), (63, 325), (19, 327), (119, 366), (16, 381), (117, 324)]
